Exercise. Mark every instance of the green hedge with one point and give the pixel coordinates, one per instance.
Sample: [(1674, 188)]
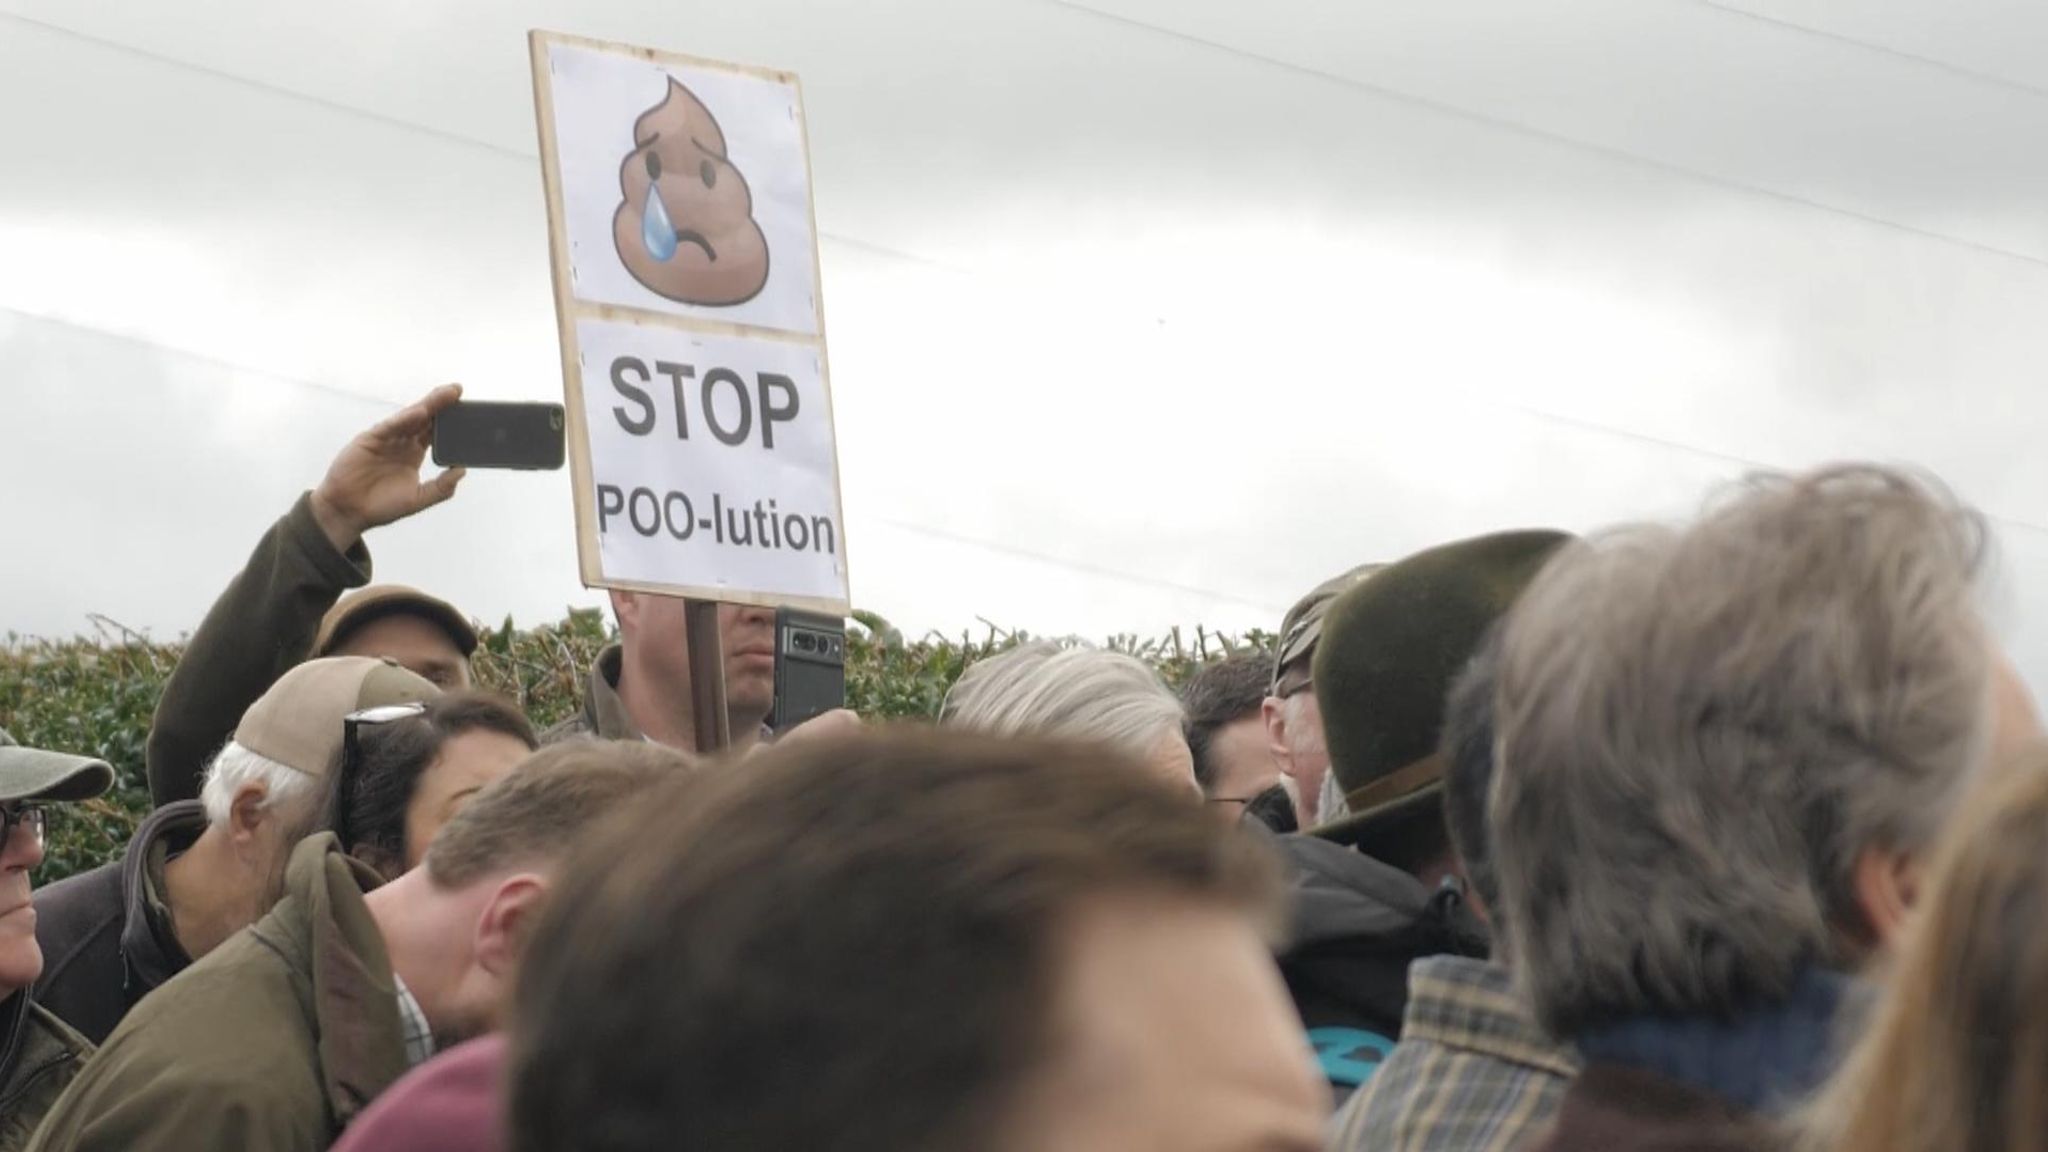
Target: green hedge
[(94, 696)]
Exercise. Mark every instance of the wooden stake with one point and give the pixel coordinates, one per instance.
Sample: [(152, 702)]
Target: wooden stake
[(707, 677)]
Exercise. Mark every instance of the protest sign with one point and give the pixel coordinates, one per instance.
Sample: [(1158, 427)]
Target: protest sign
[(685, 264)]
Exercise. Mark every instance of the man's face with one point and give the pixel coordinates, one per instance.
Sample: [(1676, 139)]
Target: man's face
[(1173, 1034), (21, 960), (1243, 764), (656, 626), (1294, 735), (416, 644)]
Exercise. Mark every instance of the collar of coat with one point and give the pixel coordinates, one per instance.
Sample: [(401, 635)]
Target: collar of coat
[(1760, 1059), (324, 929), (150, 951), (33, 1044), (602, 708)]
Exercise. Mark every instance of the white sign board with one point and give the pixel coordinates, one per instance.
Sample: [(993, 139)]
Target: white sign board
[(693, 337)]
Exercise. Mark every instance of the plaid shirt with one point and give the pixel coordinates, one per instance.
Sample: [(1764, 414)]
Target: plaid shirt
[(1472, 1072), (412, 1022)]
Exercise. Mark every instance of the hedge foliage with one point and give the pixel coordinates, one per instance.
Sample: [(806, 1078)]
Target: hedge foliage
[(94, 695)]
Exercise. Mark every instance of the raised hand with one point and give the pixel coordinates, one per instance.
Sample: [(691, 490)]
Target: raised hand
[(375, 480)]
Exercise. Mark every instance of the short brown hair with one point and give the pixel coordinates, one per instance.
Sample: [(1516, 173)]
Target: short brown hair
[(848, 945), (538, 809)]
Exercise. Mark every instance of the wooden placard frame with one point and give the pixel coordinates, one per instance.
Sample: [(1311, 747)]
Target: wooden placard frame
[(569, 310)]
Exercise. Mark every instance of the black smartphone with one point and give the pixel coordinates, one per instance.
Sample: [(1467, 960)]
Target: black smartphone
[(810, 666), (483, 434)]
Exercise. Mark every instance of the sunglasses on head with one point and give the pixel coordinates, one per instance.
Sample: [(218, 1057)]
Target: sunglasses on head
[(352, 753)]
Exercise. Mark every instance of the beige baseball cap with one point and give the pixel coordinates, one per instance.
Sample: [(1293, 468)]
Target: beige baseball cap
[(380, 600), (33, 774), (298, 723)]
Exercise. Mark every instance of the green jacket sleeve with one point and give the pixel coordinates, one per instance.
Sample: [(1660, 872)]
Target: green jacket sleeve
[(258, 630)]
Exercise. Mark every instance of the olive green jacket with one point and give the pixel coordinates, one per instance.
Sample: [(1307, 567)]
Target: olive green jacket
[(261, 627), (42, 1055), (272, 1042)]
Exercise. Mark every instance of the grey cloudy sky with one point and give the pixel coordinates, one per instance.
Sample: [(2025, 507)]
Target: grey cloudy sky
[(1141, 312)]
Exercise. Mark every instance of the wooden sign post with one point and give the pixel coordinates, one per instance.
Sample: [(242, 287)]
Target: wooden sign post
[(684, 249)]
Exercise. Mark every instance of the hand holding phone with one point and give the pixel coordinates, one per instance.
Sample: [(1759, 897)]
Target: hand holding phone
[(479, 434), (810, 667)]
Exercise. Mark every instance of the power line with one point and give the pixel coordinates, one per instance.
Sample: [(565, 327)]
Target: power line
[(1938, 65), (1613, 153)]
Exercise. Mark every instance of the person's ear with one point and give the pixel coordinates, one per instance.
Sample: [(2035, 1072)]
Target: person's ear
[(1273, 711), (1886, 885), (507, 921), (247, 814), (625, 606)]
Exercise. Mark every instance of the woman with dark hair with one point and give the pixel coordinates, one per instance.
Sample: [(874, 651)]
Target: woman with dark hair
[(407, 769)]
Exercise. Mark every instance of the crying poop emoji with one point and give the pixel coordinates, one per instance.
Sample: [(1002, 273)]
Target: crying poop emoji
[(686, 229)]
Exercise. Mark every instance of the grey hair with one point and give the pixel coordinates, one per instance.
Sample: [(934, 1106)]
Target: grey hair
[(1074, 693), (1708, 727), (285, 788)]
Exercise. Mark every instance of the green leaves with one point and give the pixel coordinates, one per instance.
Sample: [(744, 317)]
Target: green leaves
[(95, 695)]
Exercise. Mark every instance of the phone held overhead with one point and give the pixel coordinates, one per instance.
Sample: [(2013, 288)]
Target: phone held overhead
[(483, 434)]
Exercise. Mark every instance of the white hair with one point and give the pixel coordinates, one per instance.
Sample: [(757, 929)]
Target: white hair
[(1044, 689), (285, 787)]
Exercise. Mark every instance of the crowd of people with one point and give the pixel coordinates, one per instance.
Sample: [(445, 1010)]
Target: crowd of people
[(1721, 835)]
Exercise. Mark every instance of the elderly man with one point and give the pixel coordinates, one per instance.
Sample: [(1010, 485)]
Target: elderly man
[(1727, 749), (280, 1037), (198, 871), (282, 607), (1090, 976), (1294, 721), (38, 1054)]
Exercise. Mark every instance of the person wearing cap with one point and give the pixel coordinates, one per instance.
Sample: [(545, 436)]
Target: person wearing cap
[(198, 871), (1372, 895), (282, 607), (39, 1055), (278, 1039), (1294, 723)]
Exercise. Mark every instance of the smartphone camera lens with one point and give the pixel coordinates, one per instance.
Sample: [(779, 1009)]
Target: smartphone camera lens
[(805, 642)]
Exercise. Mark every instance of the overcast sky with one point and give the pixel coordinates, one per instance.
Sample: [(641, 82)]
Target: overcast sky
[(1140, 312)]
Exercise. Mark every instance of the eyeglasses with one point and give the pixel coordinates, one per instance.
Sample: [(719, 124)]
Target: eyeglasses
[(29, 816), (352, 753)]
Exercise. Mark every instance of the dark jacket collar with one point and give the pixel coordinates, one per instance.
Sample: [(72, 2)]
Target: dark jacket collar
[(1341, 893), (13, 1027), (150, 952), (1760, 1060), (323, 928), (33, 1044)]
